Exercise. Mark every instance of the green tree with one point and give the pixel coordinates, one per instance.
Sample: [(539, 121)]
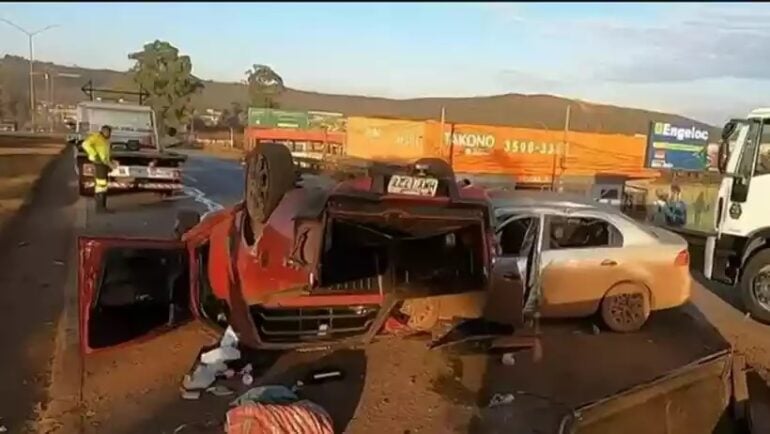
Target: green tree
[(264, 86), (167, 78)]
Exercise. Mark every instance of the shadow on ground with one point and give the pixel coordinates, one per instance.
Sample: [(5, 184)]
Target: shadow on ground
[(34, 250)]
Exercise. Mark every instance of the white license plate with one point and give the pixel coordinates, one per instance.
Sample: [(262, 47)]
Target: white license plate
[(412, 185)]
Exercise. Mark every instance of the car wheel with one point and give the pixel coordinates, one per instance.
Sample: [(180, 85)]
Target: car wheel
[(269, 175), (437, 167), (185, 220), (755, 286), (626, 307)]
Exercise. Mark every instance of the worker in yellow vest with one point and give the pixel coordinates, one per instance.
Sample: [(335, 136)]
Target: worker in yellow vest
[(97, 147)]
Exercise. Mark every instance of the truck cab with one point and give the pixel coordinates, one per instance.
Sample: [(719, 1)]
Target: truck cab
[(738, 253)]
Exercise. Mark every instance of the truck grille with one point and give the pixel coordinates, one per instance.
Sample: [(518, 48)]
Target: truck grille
[(312, 324)]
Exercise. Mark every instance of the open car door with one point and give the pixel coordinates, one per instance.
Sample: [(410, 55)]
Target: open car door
[(514, 286), (130, 289)]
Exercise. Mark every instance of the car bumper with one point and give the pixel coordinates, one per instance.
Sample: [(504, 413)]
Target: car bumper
[(139, 185), (674, 290)]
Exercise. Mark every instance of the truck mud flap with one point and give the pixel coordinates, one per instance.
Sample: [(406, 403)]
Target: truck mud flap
[(692, 399)]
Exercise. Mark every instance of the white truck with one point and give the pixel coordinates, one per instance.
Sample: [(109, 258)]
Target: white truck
[(738, 253), (143, 163)]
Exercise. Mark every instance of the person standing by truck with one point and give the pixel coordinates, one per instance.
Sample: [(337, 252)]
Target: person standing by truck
[(97, 147)]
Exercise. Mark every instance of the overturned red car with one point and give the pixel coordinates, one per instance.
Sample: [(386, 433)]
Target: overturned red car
[(304, 261)]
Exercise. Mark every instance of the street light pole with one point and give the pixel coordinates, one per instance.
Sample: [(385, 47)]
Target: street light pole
[(31, 61)]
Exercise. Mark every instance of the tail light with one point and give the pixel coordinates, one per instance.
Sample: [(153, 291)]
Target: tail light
[(88, 170), (682, 259)]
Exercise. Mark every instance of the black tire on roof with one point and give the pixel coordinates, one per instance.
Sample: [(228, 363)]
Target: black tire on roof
[(269, 175), (185, 220), (437, 167)]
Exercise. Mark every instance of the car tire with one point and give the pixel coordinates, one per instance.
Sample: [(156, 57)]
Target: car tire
[(437, 167), (185, 220), (625, 307), (755, 265), (269, 175)]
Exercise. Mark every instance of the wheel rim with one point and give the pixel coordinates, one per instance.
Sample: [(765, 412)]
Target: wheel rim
[(627, 309), (760, 286), (259, 183)]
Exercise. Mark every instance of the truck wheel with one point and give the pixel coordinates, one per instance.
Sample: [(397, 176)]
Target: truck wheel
[(185, 220), (83, 190), (269, 175), (437, 167), (755, 286), (625, 307)]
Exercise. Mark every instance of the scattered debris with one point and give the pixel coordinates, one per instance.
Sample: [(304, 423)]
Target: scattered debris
[(211, 364), (58, 262), (246, 369), (180, 428), (247, 379), (501, 399), (274, 394), (595, 329), (3, 428), (302, 417), (220, 355), (203, 377), (508, 359), (190, 395), (323, 375), (219, 391)]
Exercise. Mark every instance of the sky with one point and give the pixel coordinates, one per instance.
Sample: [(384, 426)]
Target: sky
[(702, 60)]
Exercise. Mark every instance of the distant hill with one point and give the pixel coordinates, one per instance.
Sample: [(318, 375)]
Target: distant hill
[(534, 111)]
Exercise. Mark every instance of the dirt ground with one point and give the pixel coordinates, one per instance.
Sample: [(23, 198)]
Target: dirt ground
[(34, 250), (20, 167)]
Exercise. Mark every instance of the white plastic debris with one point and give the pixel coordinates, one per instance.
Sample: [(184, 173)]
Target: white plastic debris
[(246, 369), (202, 377), (219, 391), (508, 359), (229, 339), (220, 355), (191, 395), (247, 379), (501, 399)]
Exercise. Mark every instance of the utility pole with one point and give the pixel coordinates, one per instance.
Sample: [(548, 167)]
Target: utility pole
[(31, 61), (563, 148)]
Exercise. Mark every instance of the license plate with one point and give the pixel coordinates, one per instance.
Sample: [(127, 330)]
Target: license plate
[(412, 185), (160, 172)]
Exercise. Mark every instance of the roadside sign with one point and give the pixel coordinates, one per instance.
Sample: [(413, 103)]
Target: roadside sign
[(677, 147), (271, 118)]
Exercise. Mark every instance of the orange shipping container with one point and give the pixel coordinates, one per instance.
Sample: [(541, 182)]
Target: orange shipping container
[(391, 140), (537, 154)]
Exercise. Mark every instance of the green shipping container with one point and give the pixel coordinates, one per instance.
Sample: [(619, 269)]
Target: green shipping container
[(271, 118), (329, 121)]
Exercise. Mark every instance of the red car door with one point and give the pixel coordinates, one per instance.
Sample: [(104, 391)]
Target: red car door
[(131, 289)]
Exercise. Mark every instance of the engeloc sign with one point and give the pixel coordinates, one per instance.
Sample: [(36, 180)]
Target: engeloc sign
[(677, 147)]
